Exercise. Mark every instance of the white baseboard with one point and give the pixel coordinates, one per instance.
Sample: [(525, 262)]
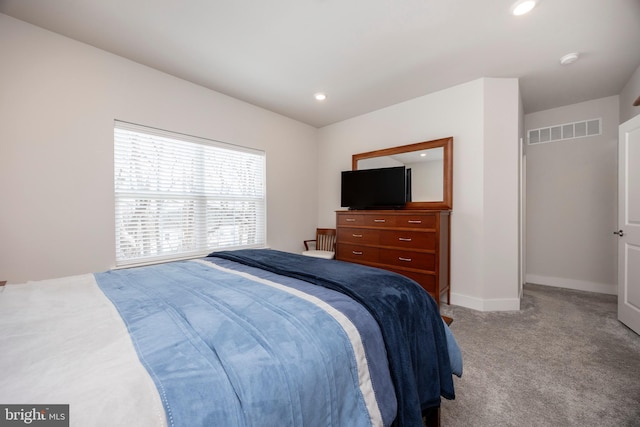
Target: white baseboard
[(497, 304), (579, 285)]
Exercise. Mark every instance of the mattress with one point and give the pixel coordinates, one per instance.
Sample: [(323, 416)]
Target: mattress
[(216, 341)]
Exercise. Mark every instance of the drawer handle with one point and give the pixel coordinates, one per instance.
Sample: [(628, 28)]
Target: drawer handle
[(356, 252), (404, 259), (415, 221), (404, 239), (379, 220), (350, 219), (357, 235)]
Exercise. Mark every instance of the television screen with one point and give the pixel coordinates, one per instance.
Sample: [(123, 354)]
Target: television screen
[(374, 188)]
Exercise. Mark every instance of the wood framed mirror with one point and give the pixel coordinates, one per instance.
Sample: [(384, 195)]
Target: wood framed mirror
[(431, 164)]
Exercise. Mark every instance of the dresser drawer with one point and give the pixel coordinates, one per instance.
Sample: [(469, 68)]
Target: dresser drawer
[(358, 236), (417, 260), (418, 220), (357, 253), (408, 239), (348, 219), (381, 220)]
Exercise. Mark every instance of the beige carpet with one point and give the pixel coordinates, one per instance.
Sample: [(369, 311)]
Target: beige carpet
[(562, 360)]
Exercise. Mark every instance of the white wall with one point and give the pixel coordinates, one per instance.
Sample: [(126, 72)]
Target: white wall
[(482, 117), (571, 201), (58, 101), (629, 94), (501, 189)]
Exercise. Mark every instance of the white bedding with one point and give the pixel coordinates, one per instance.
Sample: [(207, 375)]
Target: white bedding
[(48, 355)]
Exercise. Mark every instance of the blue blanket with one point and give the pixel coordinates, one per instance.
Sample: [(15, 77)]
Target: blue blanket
[(228, 350), (408, 317)]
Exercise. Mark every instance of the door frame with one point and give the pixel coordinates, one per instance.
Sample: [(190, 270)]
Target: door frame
[(629, 234)]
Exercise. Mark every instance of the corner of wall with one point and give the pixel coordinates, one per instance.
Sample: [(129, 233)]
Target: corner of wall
[(485, 304), (628, 95)]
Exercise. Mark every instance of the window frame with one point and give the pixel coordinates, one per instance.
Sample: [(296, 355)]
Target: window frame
[(207, 206)]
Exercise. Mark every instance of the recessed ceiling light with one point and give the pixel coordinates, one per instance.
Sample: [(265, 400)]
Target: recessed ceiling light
[(522, 7), (569, 58), (320, 96)]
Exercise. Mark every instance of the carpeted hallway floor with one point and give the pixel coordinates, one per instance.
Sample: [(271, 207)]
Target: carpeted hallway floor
[(562, 360)]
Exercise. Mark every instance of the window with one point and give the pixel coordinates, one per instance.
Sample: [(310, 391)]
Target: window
[(179, 196)]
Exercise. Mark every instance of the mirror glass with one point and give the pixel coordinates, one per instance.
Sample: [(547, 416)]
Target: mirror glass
[(431, 170), (427, 171)]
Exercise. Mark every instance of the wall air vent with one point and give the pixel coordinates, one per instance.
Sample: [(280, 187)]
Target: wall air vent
[(565, 131)]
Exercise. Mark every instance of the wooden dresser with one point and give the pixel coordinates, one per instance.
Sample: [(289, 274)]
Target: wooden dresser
[(414, 243)]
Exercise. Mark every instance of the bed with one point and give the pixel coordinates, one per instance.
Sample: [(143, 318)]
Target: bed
[(239, 338)]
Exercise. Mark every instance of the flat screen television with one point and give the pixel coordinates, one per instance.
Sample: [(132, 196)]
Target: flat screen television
[(383, 188)]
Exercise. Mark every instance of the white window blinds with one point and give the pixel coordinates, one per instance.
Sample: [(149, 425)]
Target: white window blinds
[(179, 196)]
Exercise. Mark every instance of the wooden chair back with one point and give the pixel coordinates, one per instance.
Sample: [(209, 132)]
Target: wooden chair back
[(325, 240)]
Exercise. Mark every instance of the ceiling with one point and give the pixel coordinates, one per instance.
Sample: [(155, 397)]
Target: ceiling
[(364, 54)]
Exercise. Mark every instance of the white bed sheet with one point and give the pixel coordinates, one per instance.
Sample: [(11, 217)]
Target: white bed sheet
[(63, 342)]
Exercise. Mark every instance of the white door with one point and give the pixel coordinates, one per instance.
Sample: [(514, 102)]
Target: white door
[(629, 224)]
